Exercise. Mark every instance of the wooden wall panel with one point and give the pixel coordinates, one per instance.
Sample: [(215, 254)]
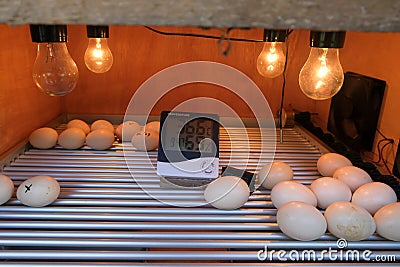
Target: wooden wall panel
[(22, 106)]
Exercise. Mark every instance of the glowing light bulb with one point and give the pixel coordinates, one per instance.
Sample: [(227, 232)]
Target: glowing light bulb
[(98, 56), (54, 71), (322, 75), (271, 61)]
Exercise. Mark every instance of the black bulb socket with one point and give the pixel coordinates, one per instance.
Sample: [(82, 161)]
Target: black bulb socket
[(275, 35), (327, 39), (41, 33), (97, 31)]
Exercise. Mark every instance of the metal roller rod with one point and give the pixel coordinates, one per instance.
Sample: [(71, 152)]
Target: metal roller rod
[(165, 243), (82, 225), (138, 217), (165, 211), (154, 255), (167, 264), (143, 203)]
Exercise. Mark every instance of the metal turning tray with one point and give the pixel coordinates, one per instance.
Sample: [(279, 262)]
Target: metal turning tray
[(104, 218)]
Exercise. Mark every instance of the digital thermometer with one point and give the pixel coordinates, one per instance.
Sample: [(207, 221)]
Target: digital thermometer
[(189, 145)]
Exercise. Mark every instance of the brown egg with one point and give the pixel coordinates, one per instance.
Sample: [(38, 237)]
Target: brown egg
[(153, 126), (72, 138), (145, 140), (79, 124), (100, 139), (102, 124), (126, 130), (43, 138)]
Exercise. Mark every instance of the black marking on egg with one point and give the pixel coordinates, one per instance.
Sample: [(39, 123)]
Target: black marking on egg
[(28, 188)]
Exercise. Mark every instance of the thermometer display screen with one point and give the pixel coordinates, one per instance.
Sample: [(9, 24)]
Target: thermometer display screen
[(194, 135), (189, 145)]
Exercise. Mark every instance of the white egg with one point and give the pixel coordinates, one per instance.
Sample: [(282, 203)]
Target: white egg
[(43, 138), (287, 191), (387, 221), (79, 124), (72, 138), (301, 221), (353, 176), (153, 126), (373, 196), (329, 162), (329, 190), (145, 141), (349, 221), (6, 188), (126, 130), (271, 174), (100, 139), (38, 191), (227, 193), (102, 124)]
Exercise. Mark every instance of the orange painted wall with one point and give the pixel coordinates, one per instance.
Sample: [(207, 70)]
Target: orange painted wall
[(140, 53), (22, 106)]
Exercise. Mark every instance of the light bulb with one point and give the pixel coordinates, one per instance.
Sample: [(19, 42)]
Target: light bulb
[(271, 61), (322, 75), (98, 56), (54, 71)]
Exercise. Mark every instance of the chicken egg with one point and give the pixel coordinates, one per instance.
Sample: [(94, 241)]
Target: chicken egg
[(126, 130), (271, 174), (301, 221), (6, 188), (102, 124), (349, 221), (38, 191), (329, 162), (287, 191), (353, 176), (329, 190), (153, 126), (387, 221), (43, 138), (373, 196), (100, 139), (145, 140), (72, 138), (79, 124), (227, 193)]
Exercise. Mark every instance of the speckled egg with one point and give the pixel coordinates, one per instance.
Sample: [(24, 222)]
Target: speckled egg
[(38, 191)]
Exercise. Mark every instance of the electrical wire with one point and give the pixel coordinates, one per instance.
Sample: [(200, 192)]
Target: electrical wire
[(380, 152), (203, 35), (379, 131), (283, 87)]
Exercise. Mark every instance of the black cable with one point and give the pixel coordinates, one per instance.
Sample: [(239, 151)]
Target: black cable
[(202, 35), (379, 131), (383, 159), (284, 80)]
